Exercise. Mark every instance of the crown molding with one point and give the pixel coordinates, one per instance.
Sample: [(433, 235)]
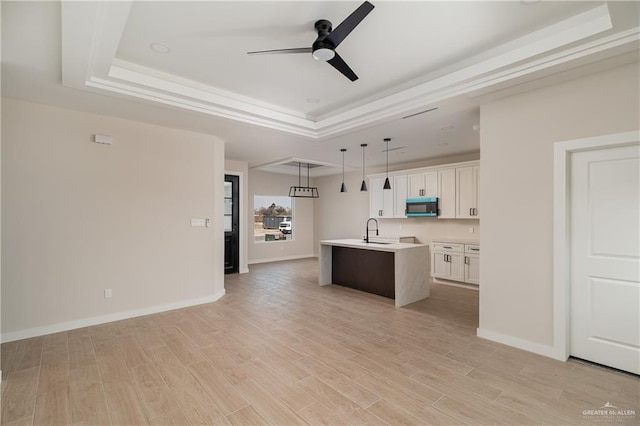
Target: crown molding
[(91, 32)]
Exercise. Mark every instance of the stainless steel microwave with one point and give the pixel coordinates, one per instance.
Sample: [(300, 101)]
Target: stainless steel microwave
[(422, 207)]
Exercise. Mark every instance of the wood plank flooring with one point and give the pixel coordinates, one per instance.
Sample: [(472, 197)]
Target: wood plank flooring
[(279, 349)]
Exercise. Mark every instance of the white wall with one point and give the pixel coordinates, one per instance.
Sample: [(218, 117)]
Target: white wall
[(344, 215), (264, 183), (241, 169), (79, 217), (518, 133)]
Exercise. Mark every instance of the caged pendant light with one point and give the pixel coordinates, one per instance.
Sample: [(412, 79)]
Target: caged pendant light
[(387, 184), (343, 188), (363, 187)]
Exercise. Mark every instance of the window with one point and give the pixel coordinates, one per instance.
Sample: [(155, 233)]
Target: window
[(272, 218)]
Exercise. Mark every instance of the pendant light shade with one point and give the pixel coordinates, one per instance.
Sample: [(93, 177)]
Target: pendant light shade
[(343, 187), (387, 184), (363, 187)]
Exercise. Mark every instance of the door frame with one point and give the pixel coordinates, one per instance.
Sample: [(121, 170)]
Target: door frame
[(242, 236), (562, 152)]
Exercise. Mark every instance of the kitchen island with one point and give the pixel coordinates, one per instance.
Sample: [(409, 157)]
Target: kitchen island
[(399, 271)]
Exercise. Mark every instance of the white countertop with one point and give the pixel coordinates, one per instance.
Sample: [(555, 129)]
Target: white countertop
[(359, 244), (456, 240)]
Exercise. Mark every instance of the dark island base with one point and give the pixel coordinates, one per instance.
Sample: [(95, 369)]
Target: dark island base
[(366, 270)]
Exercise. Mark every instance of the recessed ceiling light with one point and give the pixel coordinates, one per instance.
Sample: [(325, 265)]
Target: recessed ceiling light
[(313, 100), (159, 48)]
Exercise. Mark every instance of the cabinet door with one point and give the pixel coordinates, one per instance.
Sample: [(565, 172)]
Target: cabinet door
[(431, 184), (376, 197), (465, 192), (439, 266), (456, 263), (415, 183), (422, 185), (400, 196), (472, 269), (447, 193), (380, 200), (476, 176)]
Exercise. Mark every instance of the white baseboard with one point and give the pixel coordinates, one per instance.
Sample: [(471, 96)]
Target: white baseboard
[(545, 350), (86, 322), (280, 259), (244, 271)]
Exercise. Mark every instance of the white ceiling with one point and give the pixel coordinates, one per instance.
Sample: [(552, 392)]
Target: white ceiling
[(409, 56)]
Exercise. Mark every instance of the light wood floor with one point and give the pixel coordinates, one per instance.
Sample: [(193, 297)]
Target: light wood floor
[(279, 349)]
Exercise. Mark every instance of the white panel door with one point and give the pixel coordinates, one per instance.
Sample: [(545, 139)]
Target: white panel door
[(605, 257)]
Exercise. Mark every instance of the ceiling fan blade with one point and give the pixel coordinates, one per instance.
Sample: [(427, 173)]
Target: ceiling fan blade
[(278, 51), (341, 32), (338, 63)]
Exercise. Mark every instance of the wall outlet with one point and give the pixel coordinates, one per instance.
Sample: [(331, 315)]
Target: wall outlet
[(107, 293), (471, 230)]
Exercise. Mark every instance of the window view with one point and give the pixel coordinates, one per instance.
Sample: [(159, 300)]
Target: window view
[(272, 218)]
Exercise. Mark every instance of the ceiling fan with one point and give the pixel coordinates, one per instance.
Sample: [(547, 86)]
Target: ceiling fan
[(324, 48)]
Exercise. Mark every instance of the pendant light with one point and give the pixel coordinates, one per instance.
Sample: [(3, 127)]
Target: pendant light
[(387, 184), (303, 191), (363, 187), (343, 188)]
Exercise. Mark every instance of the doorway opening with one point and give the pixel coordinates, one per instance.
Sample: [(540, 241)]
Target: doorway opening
[(231, 224)]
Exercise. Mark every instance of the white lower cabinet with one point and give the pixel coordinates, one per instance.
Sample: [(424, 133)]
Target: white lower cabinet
[(456, 262), (472, 263), (448, 261)]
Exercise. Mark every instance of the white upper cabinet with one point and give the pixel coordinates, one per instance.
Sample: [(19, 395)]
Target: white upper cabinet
[(467, 182), (456, 186), (381, 201), (399, 187), (447, 193), (423, 184)]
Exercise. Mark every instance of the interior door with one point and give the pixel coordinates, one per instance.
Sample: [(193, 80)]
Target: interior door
[(231, 224), (605, 253)]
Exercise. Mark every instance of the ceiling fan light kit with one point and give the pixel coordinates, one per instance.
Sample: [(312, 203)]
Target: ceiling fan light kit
[(323, 54), (324, 48)]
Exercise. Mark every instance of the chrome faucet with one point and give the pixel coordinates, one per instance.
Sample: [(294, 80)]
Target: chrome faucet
[(366, 240)]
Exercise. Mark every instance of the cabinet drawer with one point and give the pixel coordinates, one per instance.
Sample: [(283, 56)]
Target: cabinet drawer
[(448, 247), (472, 248)]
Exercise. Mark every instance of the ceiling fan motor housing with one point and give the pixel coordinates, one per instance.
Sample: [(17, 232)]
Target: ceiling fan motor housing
[(322, 49)]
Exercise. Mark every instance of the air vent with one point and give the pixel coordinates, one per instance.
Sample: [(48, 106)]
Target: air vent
[(421, 112)]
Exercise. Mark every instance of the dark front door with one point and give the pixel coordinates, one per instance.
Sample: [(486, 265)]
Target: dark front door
[(231, 224)]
